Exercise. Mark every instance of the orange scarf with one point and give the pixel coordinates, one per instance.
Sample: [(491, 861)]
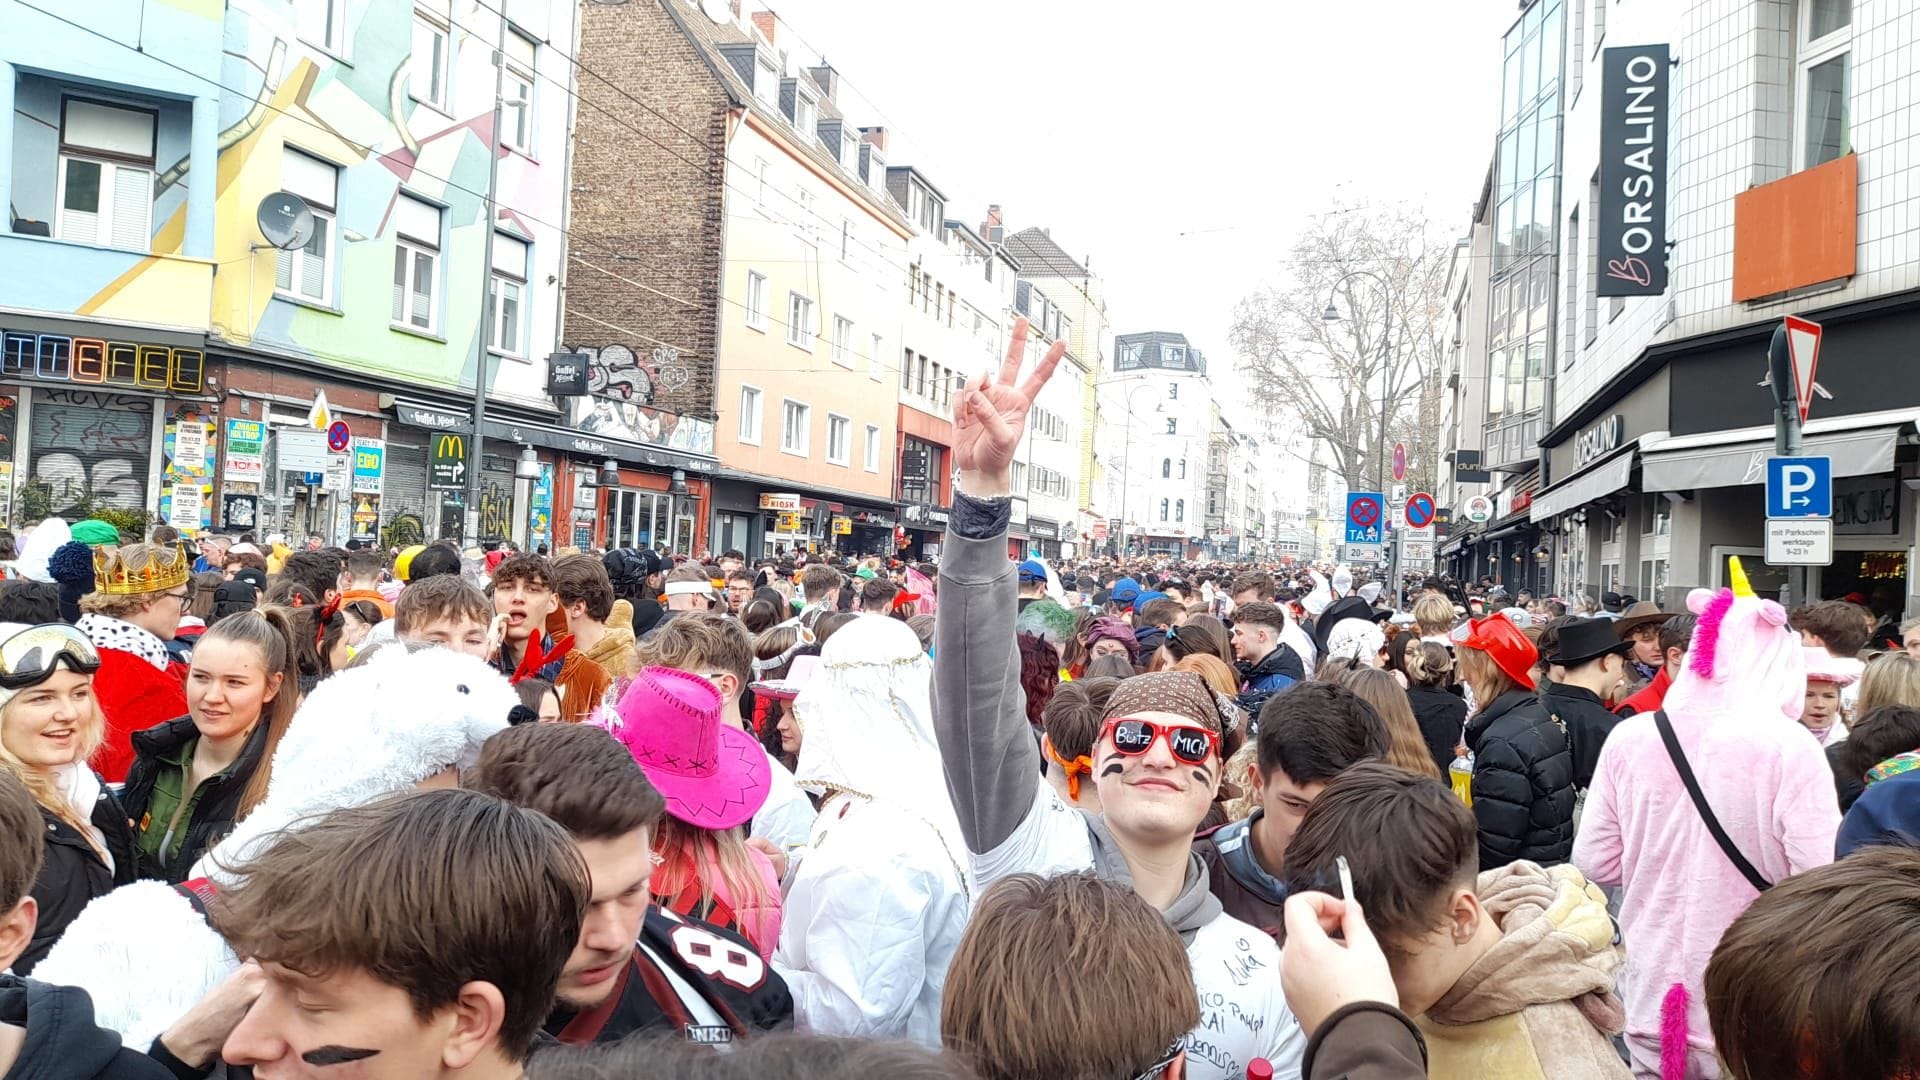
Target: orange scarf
[(1074, 768)]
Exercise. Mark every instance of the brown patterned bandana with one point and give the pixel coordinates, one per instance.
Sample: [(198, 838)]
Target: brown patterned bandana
[(1182, 693)]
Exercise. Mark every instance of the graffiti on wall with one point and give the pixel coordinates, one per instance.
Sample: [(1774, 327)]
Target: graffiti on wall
[(90, 449), (621, 387)]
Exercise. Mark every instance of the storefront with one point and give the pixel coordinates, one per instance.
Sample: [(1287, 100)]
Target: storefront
[(90, 415), (1660, 477), (926, 529)]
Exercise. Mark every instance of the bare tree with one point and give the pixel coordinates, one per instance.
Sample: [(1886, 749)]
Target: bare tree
[(1360, 383)]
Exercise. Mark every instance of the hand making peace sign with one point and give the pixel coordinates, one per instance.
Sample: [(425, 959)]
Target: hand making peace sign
[(992, 416)]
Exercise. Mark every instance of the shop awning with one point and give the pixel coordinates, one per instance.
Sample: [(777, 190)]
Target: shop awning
[(1603, 479), (1862, 445)]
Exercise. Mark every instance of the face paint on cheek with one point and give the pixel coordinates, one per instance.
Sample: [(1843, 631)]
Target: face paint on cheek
[(1114, 768), (336, 1055)]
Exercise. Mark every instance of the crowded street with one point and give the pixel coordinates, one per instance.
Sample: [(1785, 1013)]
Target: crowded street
[(578, 539)]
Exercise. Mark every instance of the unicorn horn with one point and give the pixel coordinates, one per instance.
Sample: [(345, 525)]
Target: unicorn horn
[(1741, 586)]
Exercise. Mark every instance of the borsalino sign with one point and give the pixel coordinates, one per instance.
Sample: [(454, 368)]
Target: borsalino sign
[(1631, 218)]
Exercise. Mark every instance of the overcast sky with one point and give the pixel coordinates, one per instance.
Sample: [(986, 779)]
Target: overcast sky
[(1177, 146)]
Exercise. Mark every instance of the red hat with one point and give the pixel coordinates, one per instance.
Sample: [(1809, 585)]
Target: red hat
[(1503, 642)]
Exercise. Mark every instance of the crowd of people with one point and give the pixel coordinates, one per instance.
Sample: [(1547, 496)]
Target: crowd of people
[(419, 814)]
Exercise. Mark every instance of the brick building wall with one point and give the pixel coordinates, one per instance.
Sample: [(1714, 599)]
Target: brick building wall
[(643, 269)]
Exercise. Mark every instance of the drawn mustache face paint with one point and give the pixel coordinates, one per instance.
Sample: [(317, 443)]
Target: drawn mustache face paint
[(336, 1055)]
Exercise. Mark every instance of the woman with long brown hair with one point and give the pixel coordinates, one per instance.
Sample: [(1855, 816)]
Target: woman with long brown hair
[(1405, 746), (194, 777)]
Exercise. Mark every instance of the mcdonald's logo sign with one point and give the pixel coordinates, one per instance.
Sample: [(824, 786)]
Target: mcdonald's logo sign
[(447, 469)]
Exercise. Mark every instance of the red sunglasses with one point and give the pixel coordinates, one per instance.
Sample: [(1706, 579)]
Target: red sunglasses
[(1134, 737)]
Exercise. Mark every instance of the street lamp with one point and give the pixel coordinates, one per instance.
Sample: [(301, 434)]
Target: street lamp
[(1332, 315)]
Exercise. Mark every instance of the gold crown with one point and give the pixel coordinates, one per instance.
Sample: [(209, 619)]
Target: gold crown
[(170, 566)]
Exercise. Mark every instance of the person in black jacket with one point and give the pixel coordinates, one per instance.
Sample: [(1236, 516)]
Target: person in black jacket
[(193, 777), (1441, 713), (1523, 768), (49, 725), (1593, 659)]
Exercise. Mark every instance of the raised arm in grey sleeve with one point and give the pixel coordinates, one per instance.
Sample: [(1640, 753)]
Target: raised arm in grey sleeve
[(979, 710)]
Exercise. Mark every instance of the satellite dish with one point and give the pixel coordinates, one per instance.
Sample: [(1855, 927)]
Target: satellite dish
[(285, 220), (720, 11)]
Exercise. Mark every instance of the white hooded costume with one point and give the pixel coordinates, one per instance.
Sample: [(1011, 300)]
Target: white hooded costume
[(146, 956), (876, 909)]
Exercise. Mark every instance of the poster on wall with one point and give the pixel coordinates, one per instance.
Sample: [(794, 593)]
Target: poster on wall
[(246, 452), (366, 517), (369, 466), (1631, 217), (540, 526), (184, 506), (187, 482), (240, 512)]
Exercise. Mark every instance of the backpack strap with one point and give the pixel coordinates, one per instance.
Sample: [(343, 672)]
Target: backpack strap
[(1720, 837)]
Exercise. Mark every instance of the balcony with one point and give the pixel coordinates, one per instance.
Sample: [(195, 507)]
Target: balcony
[(61, 278)]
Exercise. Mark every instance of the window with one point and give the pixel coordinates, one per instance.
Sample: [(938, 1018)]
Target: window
[(306, 273), (920, 375), (416, 258), (757, 300), (1166, 468), (427, 75), (760, 181), (906, 369), (106, 175), (799, 321), (1183, 468), (1824, 49), (766, 81), (1173, 391), (516, 117), (750, 418), (1176, 356), (1573, 290), (323, 23), (839, 439), (876, 367), (1180, 510), (506, 299), (1173, 425), (804, 114), (843, 341), (1592, 307), (1163, 510), (795, 419), (873, 448)]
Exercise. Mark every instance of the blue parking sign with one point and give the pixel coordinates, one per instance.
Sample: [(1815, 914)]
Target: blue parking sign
[(1799, 487)]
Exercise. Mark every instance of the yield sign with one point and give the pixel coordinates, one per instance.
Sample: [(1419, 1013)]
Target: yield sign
[(1803, 347)]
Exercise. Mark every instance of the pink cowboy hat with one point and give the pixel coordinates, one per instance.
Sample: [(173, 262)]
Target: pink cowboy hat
[(712, 775)]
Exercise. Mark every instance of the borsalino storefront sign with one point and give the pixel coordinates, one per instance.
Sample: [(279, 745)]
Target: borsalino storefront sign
[(89, 361), (1631, 217), (1599, 440)]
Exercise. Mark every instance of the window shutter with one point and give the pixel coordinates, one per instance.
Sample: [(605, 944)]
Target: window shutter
[(310, 178), (127, 132), (132, 208), (417, 221)]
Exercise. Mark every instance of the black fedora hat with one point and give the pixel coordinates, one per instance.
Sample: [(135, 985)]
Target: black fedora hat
[(1582, 640)]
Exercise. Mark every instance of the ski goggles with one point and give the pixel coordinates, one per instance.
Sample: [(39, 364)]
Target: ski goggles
[(1133, 737), (30, 656)]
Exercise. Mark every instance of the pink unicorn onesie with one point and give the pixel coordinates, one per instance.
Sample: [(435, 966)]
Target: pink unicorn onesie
[(1734, 710)]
